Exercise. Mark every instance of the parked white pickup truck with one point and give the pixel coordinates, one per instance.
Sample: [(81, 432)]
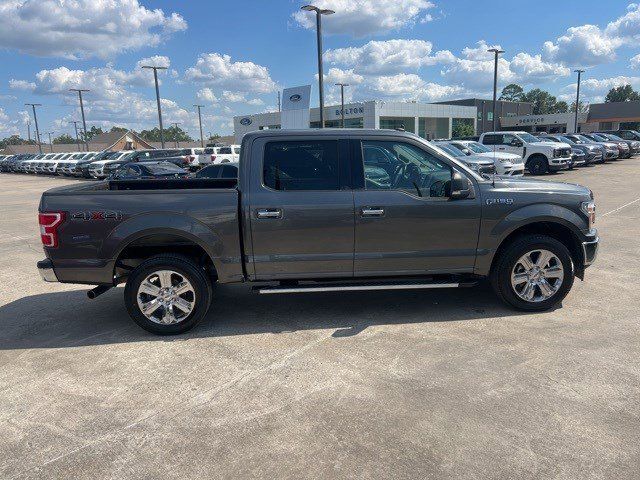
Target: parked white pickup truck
[(226, 154), (539, 156)]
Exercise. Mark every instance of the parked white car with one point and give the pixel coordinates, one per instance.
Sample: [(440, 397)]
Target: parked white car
[(225, 154), (68, 165), (539, 156), (96, 169), (507, 164)]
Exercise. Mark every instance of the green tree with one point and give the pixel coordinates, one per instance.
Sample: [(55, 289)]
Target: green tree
[(623, 93), (213, 138), (15, 140), (64, 138), (119, 129), (170, 135), (462, 127), (512, 93), (583, 107), (92, 132), (543, 102)]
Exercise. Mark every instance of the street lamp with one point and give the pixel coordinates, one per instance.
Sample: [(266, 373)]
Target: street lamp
[(579, 72), (200, 122), (75, 125), (319, 13), (50, 141), (35, 119), (342, 85), (155, 77), (496, 52), (84, 123)]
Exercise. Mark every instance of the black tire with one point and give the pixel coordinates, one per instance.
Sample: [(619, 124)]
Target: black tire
[(202, 292), (504, 265), (538, 165)]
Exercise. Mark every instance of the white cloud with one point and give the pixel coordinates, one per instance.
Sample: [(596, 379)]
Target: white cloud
[(21, 85), (389, 56), (83, 28), (589, 45), (411, 87), (532, 68), (207, 95), (9, 126), (360, 18), (215, 69), (593, 90), (635, 62)]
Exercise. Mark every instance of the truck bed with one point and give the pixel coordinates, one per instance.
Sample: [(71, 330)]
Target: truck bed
[(102, 219)]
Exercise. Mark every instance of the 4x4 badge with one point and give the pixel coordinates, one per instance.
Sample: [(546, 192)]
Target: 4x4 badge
[(100, 215), (499, 201)]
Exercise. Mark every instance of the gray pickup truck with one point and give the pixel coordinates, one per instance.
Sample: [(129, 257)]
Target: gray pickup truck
[(318, 210)]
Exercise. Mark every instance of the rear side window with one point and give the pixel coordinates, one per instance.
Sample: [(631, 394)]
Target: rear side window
[(229, 171), (492, 139), (224, 150), (302, 165)]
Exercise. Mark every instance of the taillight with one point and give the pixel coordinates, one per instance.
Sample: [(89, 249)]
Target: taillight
[(190, 158), (49, 223), (213, 158)]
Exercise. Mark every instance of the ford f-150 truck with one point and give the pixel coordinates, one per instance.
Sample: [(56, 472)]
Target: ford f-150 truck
[(325, 210)]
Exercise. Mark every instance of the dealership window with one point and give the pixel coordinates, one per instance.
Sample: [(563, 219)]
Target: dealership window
[(301, 165), (490, 116), (357, 122), (395, 123)]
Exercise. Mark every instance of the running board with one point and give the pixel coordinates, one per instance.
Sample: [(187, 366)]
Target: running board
[(268, 290)]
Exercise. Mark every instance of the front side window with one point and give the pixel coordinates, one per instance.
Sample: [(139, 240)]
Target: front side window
[(527, 137), (394, 165), (300, 165), (508, 139)]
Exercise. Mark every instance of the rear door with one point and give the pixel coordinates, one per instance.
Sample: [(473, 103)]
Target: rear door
[(406, 224), (301, 208)]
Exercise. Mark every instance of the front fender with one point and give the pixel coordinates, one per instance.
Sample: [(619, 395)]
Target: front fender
[(494, 232)]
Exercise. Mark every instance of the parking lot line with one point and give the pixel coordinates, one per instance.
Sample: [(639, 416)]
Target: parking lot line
[(621, 207)]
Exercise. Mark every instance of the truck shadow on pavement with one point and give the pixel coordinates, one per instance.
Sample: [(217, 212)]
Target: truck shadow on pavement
[(70, 319)]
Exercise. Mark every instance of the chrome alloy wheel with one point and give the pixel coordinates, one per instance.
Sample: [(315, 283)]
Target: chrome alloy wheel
[(166, 297), (537, 276)]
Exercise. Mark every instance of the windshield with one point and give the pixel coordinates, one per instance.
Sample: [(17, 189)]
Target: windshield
[(568, 140), (614, 137), (450, 150), (477, 147), (164, 168), (527, 137), (599, 138)]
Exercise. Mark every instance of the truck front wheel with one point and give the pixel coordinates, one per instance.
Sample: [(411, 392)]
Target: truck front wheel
[(534, 273), (538, 165), (167, 294)]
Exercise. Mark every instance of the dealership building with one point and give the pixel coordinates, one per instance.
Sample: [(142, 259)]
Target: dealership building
[(428, 120)]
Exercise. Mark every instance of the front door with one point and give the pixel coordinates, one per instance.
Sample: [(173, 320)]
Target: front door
[(302, 214), (510, 144), (406, 224)]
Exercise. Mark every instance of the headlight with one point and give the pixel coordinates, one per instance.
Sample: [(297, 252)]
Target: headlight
[(589, 209)]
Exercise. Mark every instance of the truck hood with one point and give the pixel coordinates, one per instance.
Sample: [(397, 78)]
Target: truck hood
[(527, 185), (512, 157), (551, 144)]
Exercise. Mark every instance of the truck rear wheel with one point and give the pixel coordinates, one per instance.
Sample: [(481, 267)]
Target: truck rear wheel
[(534, 273), (167, 294), (538, 165)]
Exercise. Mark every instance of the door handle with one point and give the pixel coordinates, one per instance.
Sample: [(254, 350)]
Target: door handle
[(372, 212), (269, 213)]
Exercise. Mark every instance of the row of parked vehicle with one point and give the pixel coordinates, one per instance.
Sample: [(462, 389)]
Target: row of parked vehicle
[(101, 165), (513, 152)]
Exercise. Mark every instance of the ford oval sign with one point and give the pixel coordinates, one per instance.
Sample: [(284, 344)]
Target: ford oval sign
[(295, 98), (245, 121)]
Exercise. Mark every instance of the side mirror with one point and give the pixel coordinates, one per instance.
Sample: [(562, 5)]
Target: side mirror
[(516, 143), (459, 186)]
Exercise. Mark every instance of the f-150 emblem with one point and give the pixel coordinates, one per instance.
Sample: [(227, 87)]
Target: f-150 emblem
[(499, 201), (97, 215)]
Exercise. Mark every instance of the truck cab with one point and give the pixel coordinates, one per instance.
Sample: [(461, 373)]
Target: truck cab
[(539, 156)]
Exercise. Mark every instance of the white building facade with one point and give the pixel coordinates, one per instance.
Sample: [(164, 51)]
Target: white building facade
[(428, 120)]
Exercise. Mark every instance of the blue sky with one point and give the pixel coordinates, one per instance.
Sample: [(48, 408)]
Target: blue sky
[(234, 56)]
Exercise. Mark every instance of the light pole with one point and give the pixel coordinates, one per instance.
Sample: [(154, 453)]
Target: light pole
[(84, 122), (579, 72), (50, 141), (35, 120), (200, 123), (342, 85), (75, 125), (496, 52), (155, 77), (175, 133), (319, 13), (29, 130)]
